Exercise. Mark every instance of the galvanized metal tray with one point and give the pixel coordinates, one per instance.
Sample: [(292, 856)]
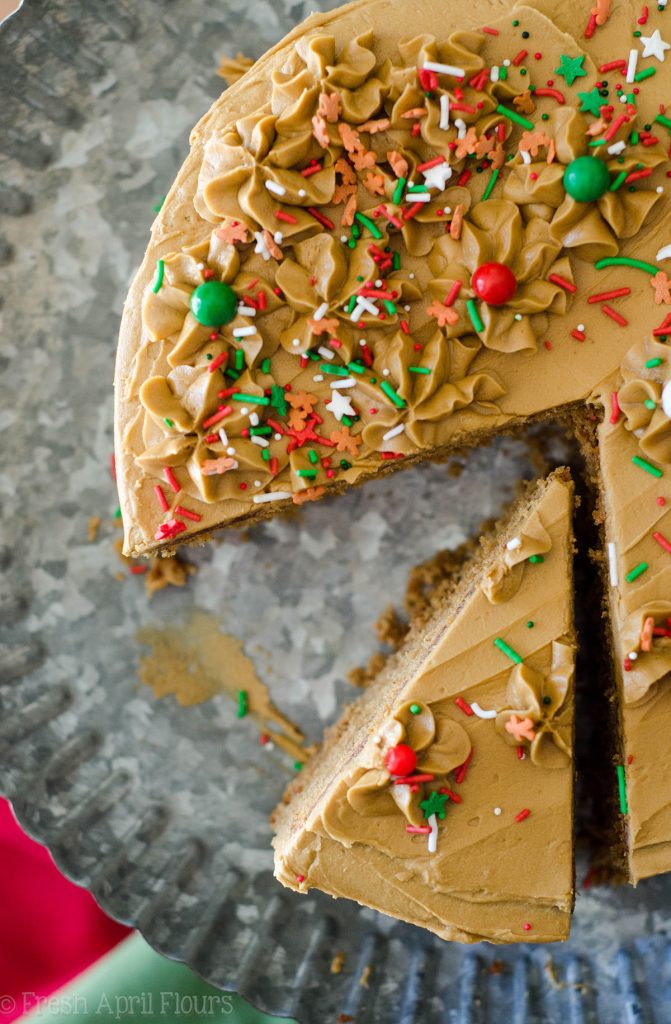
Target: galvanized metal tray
[(161, 810)]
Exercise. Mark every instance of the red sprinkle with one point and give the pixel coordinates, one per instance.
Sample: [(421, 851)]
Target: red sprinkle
[(406, 780), (523, 814), (527, 926), (462, 769), (613, 65), (490, 31), (661, 501), (193, 516), (288, 218), (324, 221), (615, 293), (662, 541), (555, 93), (217, 361), (614, 407), (520, 753), (578, 335), (568, 286), (517, 60), (300, 879), (644, 172), (412, 211), (138, 570), (452, 795), (220, 415), (172, 480), (161, 498), (589, 32), (617, 317), (452, 294), (314, 168), (420, 830), (466, 708)]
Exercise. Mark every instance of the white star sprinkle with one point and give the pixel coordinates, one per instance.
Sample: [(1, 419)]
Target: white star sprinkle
[(436, 177), (654, 45), (340, 405)]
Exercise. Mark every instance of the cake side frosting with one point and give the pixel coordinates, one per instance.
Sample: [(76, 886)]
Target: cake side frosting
[(390, 241), (446, 798)]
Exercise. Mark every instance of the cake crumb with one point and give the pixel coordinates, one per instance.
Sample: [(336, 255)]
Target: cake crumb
[(365, 976), (338, 962), (167, 572), (93, 527), (551, 971), (345, 1018), (233, 68), (497, 967)]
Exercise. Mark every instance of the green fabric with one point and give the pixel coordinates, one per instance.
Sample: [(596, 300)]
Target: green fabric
[(134, 983)]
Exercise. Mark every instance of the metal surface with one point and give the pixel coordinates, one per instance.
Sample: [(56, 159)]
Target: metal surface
[(162, 810)]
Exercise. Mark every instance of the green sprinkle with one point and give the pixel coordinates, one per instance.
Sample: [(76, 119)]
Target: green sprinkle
[(351, 244), (649, 404), (648, 73), (117, 514), (396, 261), (637, 571), (633, 139), (265, 454), (242, 703), (530, 624), (626, 261), (503, 73), (666, 121), (418, 188), (505, 649), (637, 34), (344, 464), (356, 231), (208, 356), (622, 789), (159, 204), (351, 304), (490, 184), (596, 142), (265, 365), (348, 421), (356, 367), (398, 192), (260, 431), (512, 115), (368, 223), (239, 359), (335, 371), (474, 315), (415, 709), (312, 355), (389, 306), (390, 393), (158, 281), (312, 455), (241, 396), (309, 473), (298, 765), (617, 182), (168, 422), (536, 559), (233, 374), (650, 363), (419, 369), (278, 399), (647, 466)]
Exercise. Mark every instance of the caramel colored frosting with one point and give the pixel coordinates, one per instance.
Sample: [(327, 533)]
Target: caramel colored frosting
[(635, 454), (491, 788), (347, 189)]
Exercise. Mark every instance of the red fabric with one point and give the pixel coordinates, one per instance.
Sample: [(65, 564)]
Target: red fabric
[(50, 929)]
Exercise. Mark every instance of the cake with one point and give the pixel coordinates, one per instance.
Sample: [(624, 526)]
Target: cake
[(444, 796), (408, 229)]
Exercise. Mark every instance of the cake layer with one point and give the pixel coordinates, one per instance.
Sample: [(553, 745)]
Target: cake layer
[(387, 241), (444, 797), (635, 452)]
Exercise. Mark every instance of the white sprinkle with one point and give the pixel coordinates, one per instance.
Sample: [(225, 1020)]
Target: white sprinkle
[(623, 99), (278, 237), (659, 189), (664, 253), (581, 327), (394, 432), (244, 332), (631, 66), (444, 69), (666, 399), (343, 382), (296, 342), (343, 239), (420, 197), (481, 713), (230, 451), (518, 316), (514, 544), (246, 310), (410, 184), (506, 63), (321, 311), (223, 436), (327, 353), (612, 563), (302, 193), (318, 378), (385, 372), (362, 342), (369, 306), (497, 811), (526, 156), (257, 483), (378, 283), (662, 3), (494, 74), (254, 419), (633, 656), (262, 442), (444, 122), (261, 499), (356, 313), (278, 437), (244, 410), (411, 276), (460, 125), (279, 190), (433, 834), (617, 148), (200, 266)]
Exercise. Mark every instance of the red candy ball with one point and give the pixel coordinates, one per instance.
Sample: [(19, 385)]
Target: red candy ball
[(401, 759), (494, 283)]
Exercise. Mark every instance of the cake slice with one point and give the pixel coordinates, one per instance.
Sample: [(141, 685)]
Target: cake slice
[(444, 796), (635, 454)]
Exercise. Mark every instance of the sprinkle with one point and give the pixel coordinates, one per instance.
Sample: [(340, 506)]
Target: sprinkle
[(391, 394), (408, 780), (536, 559), (622, 789), (444, 69), (220, 415), (433, 834), (480, 712), (517, 60), (368, 223), (394, 432), (419, 369), (631, 65), (612, 564), (636, 572), (338, 371), (507, 650), (241, 396), (444, 122), (662, 541), (647, 466), (625, 261), (158, 281), (217, 362), (512, 115), (490, 31), (288, 218), (554, 93), (617, 317), (615, 293), (648, 73), (651, 363), (466, 708), (421, 830), (161, 498), (244, 332), (242, 703), (664, 253), (279, 190), (660, 119), (523, 814), (261, 442), (187, 513), (474, 315), (490, 184), (568, 286), (320, 218), (262, 499), (348, 382), (460, 774), (618, 181)]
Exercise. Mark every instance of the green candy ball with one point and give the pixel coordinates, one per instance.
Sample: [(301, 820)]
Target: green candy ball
[(586, 179), (213, 303)]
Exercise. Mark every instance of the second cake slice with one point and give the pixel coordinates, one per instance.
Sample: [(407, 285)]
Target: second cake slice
[(444, 796)]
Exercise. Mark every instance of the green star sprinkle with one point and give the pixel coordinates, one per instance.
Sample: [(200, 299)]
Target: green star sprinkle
[(278, 400), (435, 804), (590, 102), (570, 68)]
